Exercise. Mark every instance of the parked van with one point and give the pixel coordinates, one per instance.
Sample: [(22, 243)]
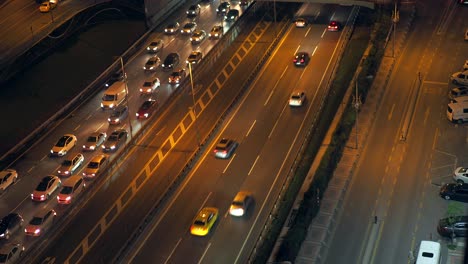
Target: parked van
[(114, 95), (71, 188), (457, 112), (429, 253), (460, 78)]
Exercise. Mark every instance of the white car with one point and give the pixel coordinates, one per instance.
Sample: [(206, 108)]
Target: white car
[(155, 45), (150, 85), (297, 98), (63, 145), (7, 178), (70, 164), (301, 22), (460, 175)]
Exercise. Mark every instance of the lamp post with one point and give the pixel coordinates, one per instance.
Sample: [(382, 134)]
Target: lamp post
[(395, 19), (126, 96), (356, 105), (193, 106)]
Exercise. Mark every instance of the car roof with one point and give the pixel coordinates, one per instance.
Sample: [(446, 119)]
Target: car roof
[(98, 158), (48, 178), (240, 196), (5, 172), (205, 212)]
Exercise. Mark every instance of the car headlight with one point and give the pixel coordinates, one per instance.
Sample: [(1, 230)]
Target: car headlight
[(112, 147), (51, 151), (111, 105), (148, 48), (146, 114), (102, 105), (37, 231), (148, 90), (137, 114), (117, 120), (92, 147), (108, 119), (151, 67)]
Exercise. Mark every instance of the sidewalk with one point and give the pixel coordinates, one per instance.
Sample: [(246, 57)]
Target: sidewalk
[(314, 248)]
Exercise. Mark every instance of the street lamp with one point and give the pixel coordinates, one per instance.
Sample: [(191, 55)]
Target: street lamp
[(126, 96), (356, 105), (395, 19), (193, 106)]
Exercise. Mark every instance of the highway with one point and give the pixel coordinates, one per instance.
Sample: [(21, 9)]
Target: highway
[(269, 133), (89, 118), (22, 25), (400, 186)]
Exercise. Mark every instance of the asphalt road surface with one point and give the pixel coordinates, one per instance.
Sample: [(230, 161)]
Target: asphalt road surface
[(400, 184), (89, 118), (269, 133)]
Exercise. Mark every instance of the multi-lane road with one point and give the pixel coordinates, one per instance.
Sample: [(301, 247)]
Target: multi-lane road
[(22, 25), (400, 185), (89, 118)]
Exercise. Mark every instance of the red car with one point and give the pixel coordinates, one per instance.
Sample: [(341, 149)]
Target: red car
[(334, 26), (146, 109)]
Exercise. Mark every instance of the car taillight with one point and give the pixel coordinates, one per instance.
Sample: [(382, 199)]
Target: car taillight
[(215, 150), (302, 60)]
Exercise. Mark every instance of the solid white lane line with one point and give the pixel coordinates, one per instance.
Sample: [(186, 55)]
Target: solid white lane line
[(253, 165), (173, 250), (307, 32), (391, 112), (44, 157), (276, 123), (76, 128), (323, 34), (31, 169), (315, 49), (99, 127), (204, 253), (316, 16), (204, 202), (269, 96), (250, 129), (297, 49), (89, 116), (227, 166)]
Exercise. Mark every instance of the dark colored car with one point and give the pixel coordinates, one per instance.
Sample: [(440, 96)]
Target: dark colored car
[(334, 26), (115, 140), (455, 227), (146, 109), (118, 114), (172, 28), (225, 148), (171, 61), (223, 8), (455, 191), (301, 59), (116, 77), (10, 224), (232, 15), (193, 11)]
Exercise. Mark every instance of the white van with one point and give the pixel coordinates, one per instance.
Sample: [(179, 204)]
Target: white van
[(460, 78), (429, 253), (114, 95), (457, 112)]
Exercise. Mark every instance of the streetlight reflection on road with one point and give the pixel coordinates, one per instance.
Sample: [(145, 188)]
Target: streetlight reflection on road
[(194, 105)]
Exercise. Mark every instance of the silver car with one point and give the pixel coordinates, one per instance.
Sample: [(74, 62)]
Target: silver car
[(70, 164), (118, 114), (94, 141)]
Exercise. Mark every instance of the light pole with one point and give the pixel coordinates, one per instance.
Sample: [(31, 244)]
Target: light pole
[(356, 105), (395, 19), (126, 96), (193, 106)]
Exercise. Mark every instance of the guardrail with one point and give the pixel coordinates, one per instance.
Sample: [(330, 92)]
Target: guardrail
[(267, 226), (91, 89)]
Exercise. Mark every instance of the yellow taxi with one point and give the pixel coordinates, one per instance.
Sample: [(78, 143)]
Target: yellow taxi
[(204, 221)]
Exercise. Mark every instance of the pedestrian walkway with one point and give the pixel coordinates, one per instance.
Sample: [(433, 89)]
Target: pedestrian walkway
[(319, 235)]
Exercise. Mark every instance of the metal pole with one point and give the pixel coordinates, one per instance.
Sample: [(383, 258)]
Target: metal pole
[(126, 97), (356, 107), (193, 107)]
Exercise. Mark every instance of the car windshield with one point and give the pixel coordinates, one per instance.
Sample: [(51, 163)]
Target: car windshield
[(66, 190), (66, 163), (199, 223), (154, 43), (92, 139), (193, 56), (146, 105), (36, 221), (463, 170), (3, 258), (189, 25), (108, 97), (93, 165), (296, 97), (113, 138), (238, 203), (62, 142), (42, 186), (150, 62), (175, 74), (147, 84)]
